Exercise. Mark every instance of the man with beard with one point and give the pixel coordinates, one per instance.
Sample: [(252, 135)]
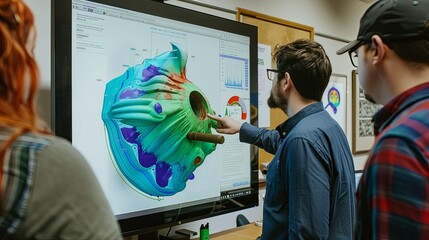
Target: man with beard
[(310, 181), (392, 55)]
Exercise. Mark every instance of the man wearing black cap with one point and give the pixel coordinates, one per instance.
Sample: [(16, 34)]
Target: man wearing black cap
[(391, 53)]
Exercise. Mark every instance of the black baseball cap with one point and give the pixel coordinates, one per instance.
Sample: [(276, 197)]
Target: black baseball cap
[(392, 20)]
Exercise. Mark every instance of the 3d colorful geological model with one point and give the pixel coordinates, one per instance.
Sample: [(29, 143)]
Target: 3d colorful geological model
[(147, 113)]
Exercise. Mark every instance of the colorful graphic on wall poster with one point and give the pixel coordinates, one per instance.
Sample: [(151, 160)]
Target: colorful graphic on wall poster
[(237, 101), (334, 99), (147, 113)]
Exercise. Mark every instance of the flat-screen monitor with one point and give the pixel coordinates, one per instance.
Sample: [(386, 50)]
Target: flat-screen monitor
[(130, 81)]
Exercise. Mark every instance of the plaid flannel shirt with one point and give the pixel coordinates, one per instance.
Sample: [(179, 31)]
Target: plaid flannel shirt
[(393, 194)]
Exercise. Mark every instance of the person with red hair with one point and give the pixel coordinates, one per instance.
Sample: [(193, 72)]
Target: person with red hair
[(47, 188)]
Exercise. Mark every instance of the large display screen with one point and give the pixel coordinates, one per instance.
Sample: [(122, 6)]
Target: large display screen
[(130, 80)]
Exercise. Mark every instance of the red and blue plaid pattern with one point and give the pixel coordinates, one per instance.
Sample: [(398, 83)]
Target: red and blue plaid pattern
[(393, 194)]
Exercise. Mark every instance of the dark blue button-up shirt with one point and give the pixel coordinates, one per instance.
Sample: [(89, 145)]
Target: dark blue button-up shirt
[(310, 182)]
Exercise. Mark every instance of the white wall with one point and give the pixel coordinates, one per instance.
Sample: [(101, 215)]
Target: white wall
[(339, 18), (42, 13), (331, 19)]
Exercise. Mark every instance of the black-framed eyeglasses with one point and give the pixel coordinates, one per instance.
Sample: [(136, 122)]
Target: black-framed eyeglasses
[(354, 58), (272, 73)]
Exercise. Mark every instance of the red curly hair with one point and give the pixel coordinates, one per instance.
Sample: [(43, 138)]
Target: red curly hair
[(19, 74)]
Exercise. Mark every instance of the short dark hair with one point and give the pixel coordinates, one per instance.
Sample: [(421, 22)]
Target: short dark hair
[(308, 66)]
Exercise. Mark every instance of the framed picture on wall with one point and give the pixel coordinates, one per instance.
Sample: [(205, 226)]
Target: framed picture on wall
[(335, 99), (362, 124)]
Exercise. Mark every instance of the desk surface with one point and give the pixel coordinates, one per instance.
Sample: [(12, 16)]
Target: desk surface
[(246, 232)]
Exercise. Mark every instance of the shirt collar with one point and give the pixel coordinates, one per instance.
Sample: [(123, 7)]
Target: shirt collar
[(393, 108), (287, 126)]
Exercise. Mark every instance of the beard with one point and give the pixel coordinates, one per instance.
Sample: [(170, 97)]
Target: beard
[(278, 102), (271, 102)]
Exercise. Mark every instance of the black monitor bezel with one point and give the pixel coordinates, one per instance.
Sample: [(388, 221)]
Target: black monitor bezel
[(61, 101)]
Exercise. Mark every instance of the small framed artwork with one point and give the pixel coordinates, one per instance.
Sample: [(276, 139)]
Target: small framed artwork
[(362, 124)]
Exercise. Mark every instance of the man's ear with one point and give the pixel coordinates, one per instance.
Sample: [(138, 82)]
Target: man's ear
[(378, 49), (288, 84)]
